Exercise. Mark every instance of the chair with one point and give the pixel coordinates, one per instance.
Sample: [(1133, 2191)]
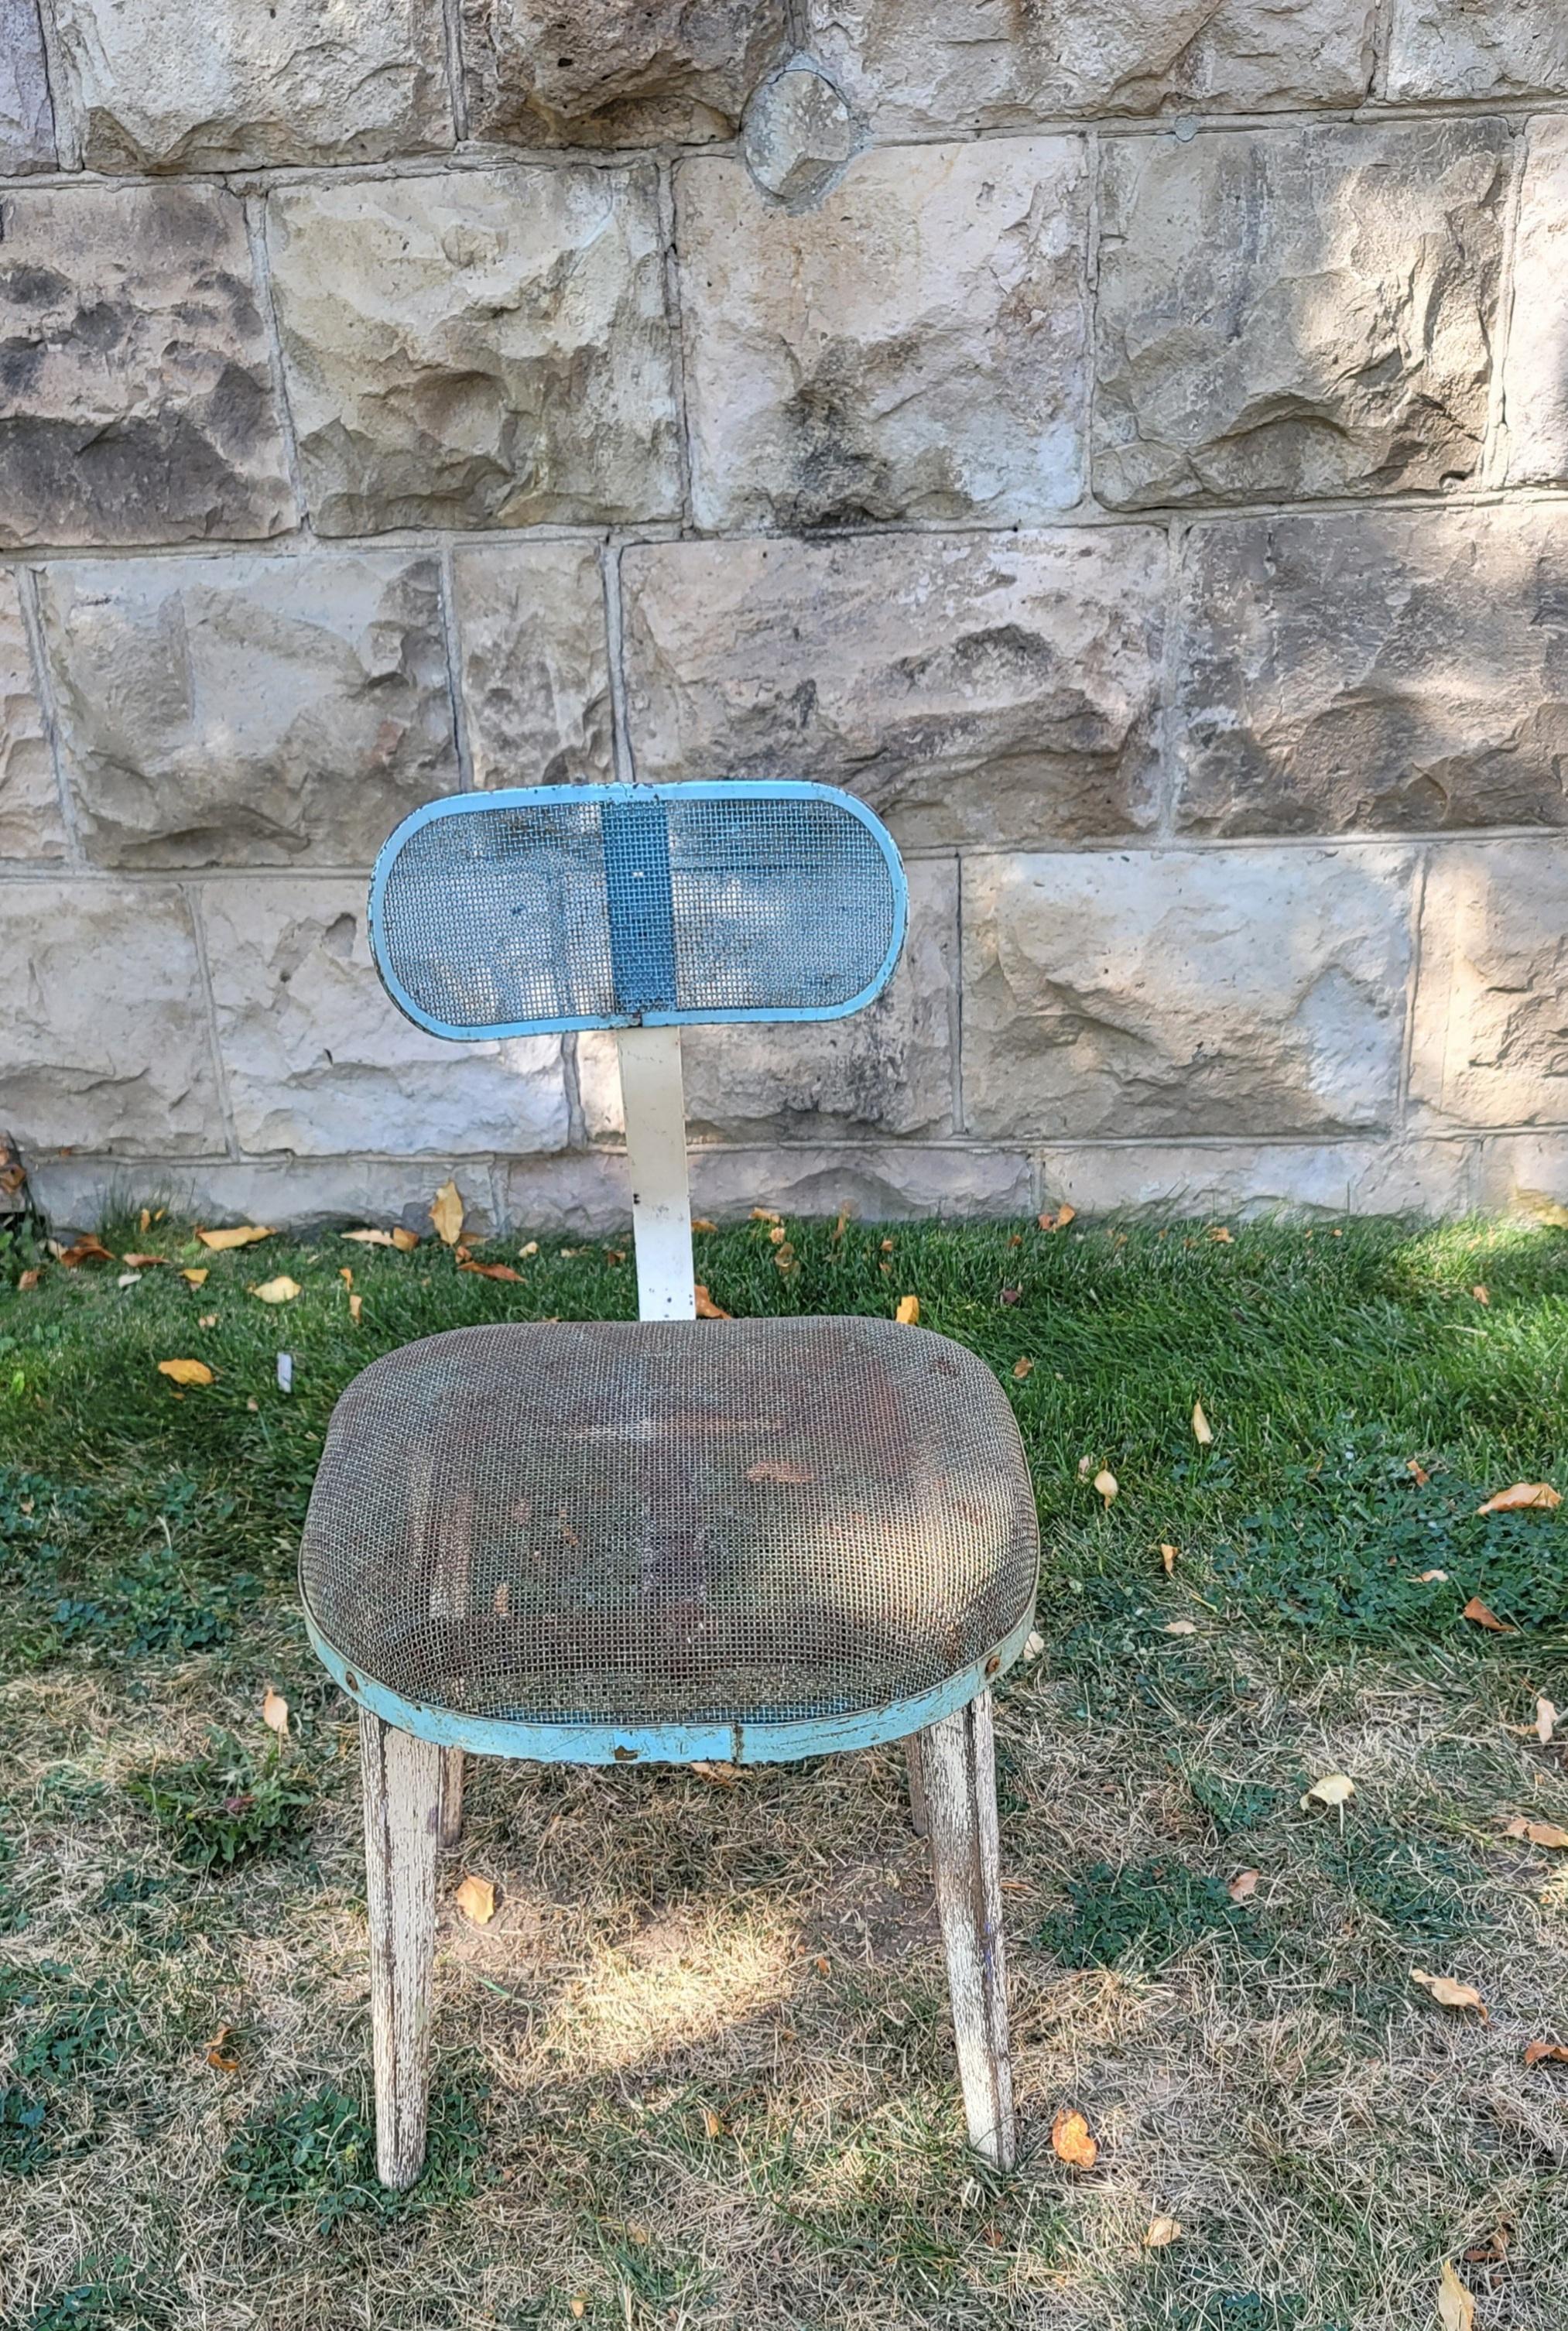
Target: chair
[(666, 1539)]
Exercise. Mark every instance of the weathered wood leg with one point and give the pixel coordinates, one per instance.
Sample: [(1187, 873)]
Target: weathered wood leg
[(450, 1796), (402, 1779), (957, 1757), (916, 1776)]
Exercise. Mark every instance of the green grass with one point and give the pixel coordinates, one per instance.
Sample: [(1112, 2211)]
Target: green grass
[(697, 2073)]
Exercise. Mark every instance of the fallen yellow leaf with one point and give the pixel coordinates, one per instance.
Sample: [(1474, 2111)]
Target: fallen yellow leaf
[(1168, 1558), (217, 2052), (1432, 1579), (1537, 1833), (345, 1274), (1180, 1627), (1481, 1295), (1545, 1722), (1243, 1886), (1070, 2140), (356, 1308), (907, 1314), (142, 1262), (1221, 1237), (275, 1712), (1477, 1610), (185, 1372), (712, 2122), (367, 1238), (1059, 1219), (1161, 2231), (1105, 1482), (1448, 1993), (1201, 1432), (1456, 2304), (195, 1277), (1022, 1369), (403, 1241), (220, 1242), (1334, 1789), (208, 1319), (476, 1898), (578, 2305), (764, 1214), (723, 1776), (533, 1248), (446, 1213), (1524, 1496), (283, 1290), (493, 1270), (701, 1223), (707, 1309)]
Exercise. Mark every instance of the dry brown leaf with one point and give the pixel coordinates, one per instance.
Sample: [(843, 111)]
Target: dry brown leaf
[(907, 1314), (86, 1250), (1169, 1555), (778, 1234), (208, 1319), (1243, 1886), (723, 1776), (367, 1238), (1545, 1721), (247, 1234), (713, 2123), (1545, 2051), (778, 1469), (1334, 1789), (143, 1261), (185, 1372), (707, 1309), (701, 1223), (356, 1308), (29, 1280), (1537, 1833), (1161, 2231), (1070, 2140), (345, 1275), (476, 1898), (764, 1214), (1417, 1471), (1105, 1482), (1202, 1433), (1059, 1219), (1481, 1295), (275, 1712), (405, 1241), (1221, 1236), (1456, 2304), (1180, 1627), (784, 1256), (196, 1278), (578, 2303), (281, 1289), (1477, 1610), (217, 2052), (1022, 1369), (1448, 1993), (1524, 1496), (493, 1270), (446, 1214)]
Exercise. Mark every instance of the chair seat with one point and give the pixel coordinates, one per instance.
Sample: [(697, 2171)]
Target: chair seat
[(613, 1538)]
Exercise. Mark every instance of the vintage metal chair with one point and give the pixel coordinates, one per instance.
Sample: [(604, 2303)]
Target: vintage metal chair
[(662, 1539)]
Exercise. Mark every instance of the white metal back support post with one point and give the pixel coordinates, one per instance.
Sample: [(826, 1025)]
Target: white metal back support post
[(654, 1103)]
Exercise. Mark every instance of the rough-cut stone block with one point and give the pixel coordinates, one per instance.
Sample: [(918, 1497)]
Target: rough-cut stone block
[(1477, 48), (595, 72), (342, 1193), (1536, 375), (888, 1070), (1525, 1173), (973, 688), (320, 1063), (106, 1046), (133, 370), (1491, 1023), (914, 347), (799, 133), (877, 1182), (26, 115), (1391, 670), (994, 64), (535, 664), (250, 711), (478, 347), (1295, 313), (158, 85), (1177, 991), (1171, 1180), (31, 825)]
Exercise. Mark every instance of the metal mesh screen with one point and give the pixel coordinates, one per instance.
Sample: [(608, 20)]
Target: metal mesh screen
[(592, 910), (644, 1522)]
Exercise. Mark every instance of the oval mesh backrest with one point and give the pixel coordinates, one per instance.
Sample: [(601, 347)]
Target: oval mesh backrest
[(591, 906)]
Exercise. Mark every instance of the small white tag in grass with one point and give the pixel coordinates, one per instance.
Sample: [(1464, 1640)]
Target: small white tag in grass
[(285, 1371)]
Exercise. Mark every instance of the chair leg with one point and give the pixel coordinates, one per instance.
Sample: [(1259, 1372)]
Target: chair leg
[(451, 1796), (401, 1780), (916, 1777), (957, 1757)]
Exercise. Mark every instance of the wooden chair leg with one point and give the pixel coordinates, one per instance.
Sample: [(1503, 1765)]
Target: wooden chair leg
[(957, 1757), (451, 1796), (401, 1780), (916, 1780)]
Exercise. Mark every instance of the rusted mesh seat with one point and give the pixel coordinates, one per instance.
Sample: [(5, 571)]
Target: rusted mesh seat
[(646, 1524)]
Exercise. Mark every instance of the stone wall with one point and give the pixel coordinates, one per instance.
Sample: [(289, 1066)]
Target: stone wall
[(1127, 444)]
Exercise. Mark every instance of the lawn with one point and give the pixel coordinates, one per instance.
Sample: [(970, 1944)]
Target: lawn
[(696, 2071)]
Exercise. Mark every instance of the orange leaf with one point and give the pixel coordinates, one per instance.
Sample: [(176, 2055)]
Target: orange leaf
[(1545, 2051), (1524, 1496), (1537, 1833), (1160, 2231), (1168, 1557), (1022, 1369), (218, 2053), (1448, 1993), (446, 1214), (196, 1278), (1105, 1483), (713, 2124), (1477, 1610), (1481, 1295), (1417, 1471), (1243, 1886), (493, 1270), (1070, 2140), (1059, 1219), (701, 1223), (476, 1898), (356, 1308), (403, 1241), (29, 1280), (275, 1712), (86, 1250), (185, 1372), (221, 1242), (1221, 1237), (764, 1214), (707, 1309), (907, 1314), (143, 1261)]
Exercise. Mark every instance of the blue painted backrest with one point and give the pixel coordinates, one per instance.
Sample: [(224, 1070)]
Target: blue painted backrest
[(511, 914)]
